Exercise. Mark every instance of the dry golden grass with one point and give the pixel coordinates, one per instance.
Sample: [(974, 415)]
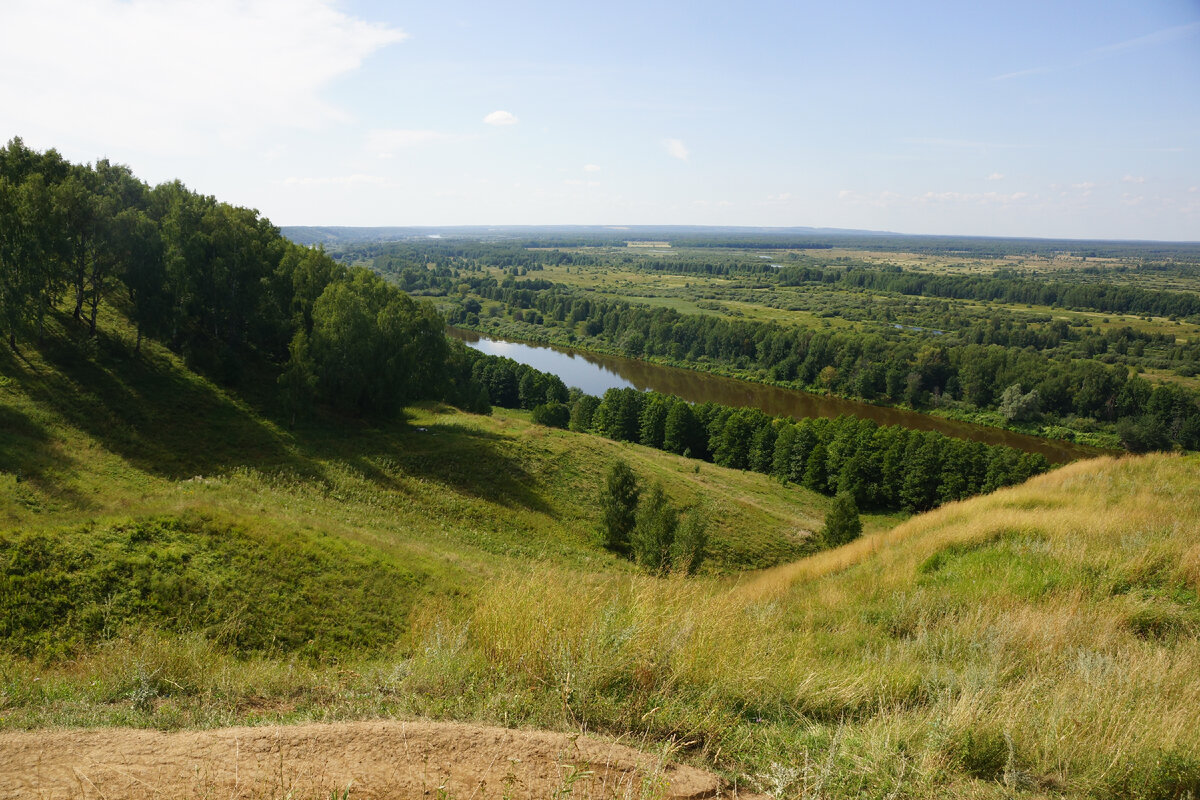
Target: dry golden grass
[(1043, 638)]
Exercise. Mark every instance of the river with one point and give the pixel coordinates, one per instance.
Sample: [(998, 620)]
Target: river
[(595, 374)]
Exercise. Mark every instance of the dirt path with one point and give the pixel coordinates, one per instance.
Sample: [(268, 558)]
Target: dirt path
[(381, 759)]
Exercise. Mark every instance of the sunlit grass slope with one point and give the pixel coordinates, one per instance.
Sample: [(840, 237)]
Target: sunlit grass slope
[(1041, 640)]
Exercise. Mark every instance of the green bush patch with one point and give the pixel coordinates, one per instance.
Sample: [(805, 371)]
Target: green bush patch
[(249, 587)]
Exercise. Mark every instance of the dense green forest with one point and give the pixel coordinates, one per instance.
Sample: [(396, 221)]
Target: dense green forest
[(217, 283)]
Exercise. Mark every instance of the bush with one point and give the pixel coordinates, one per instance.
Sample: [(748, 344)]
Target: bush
[(619, 504), (553, 415), (691, 543), (654, 534), (842, 524)]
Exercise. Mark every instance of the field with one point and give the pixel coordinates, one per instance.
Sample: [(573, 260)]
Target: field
[(748, 299)]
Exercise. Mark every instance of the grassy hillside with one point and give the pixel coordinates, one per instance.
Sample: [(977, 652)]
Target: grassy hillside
[(136, 496), (172, 556)]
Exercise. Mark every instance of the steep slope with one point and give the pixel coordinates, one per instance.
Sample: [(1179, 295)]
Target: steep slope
[(1044, 639)]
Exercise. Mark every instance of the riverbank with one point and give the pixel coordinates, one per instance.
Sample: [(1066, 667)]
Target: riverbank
[(700, 383)]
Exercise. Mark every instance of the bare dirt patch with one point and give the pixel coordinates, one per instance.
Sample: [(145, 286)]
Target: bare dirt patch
[(380, 759)]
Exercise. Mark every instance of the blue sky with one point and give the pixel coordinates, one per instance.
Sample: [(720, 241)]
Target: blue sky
[(1017, 119)]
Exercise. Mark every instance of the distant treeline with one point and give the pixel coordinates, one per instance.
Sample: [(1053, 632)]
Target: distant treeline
[(753, 238), (1004, 288), (466, 254), (871, 366), (883, 467), (750, 242)]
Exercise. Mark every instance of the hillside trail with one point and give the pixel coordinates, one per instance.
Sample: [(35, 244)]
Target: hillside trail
[(376, 759)]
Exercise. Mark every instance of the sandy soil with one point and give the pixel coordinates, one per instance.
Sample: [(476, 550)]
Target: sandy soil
[(380, 759)]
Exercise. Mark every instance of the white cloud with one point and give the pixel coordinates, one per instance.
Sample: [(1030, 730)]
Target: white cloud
[(578, 182), (500, 118), (386, 141), (173, 77), (676, 149), (782, 197), (1133, 179), (591, 167), (995, 176)]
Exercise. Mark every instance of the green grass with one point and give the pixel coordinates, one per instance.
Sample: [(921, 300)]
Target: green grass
[(178, 558)]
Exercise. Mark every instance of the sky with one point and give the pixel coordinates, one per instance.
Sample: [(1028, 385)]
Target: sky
[(1049, 119)]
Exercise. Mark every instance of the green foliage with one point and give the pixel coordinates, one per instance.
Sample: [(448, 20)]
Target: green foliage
[(216, 282), (582, 411), (251, 590), (619, 508), (553, 415), (1018, 407), (842, 523), (691, 542), (682, 434), (373, 349), (986, 754), (653, 537)]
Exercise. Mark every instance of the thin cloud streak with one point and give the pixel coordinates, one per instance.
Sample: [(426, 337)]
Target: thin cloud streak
[(1109, 51)]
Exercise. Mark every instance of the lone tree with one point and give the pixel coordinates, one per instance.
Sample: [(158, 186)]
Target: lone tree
[(654, 533), (618, 504), (842, 524)]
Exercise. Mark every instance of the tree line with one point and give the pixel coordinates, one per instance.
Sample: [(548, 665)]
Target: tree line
[(880, 467), (1005, 288), (873, 367)]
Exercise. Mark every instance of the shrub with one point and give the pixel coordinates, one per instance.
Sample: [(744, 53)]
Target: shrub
[(842, 524), (691, 542), (654, 534), (553, 415), (619, 503)]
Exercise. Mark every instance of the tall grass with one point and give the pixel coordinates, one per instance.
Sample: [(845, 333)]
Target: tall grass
[(1042, 638)]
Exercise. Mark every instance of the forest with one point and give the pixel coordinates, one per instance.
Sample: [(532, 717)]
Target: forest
[(906, 343), (217, 283)]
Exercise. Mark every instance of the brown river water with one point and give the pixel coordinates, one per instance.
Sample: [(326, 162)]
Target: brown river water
[(595, 374)]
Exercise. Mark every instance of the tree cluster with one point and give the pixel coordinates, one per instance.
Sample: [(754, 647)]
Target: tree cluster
[(215, 282), (647, 528)]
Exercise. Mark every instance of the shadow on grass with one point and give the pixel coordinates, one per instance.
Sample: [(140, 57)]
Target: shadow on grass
[(26, 453), (170, 422), (461, 459), (162, 419)]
